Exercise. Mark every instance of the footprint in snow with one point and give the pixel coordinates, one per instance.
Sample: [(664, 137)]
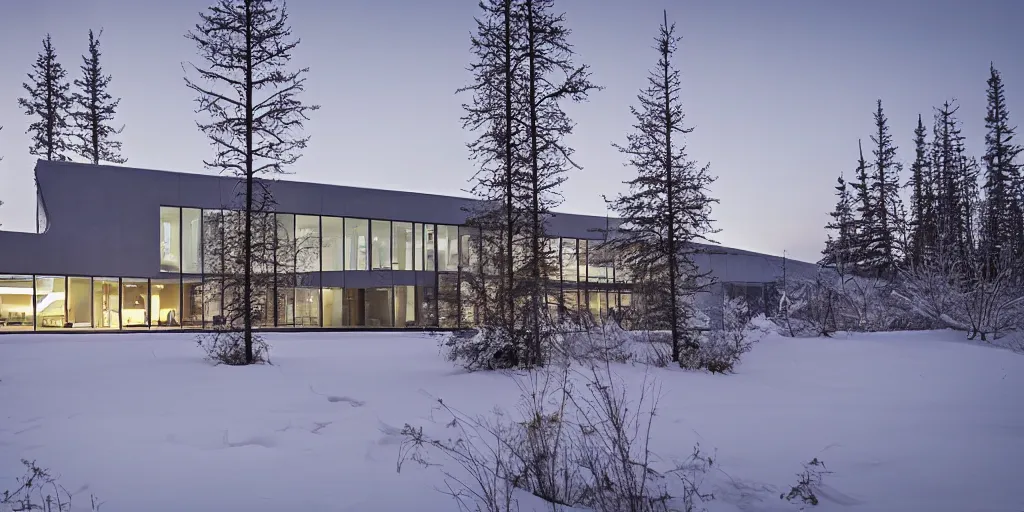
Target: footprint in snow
[(349, 400)]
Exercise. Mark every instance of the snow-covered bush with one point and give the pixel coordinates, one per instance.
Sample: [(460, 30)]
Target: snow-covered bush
[(38, 490), (227, 346), (609, 342), (720, 350), (484, 348)]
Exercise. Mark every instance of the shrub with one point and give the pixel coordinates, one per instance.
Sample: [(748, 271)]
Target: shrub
[(38, 490), (808, 481), (720, 350), (227, 346)]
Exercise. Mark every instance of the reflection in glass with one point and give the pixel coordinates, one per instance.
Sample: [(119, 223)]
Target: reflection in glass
[(569, 262), (354, 307), (307, 235), (192, 303), (307, 307)]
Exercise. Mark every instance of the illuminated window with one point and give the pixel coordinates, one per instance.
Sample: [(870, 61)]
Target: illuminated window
[(16, 313), (170, 251), (418, 245), (405, 306), (380, 252), (332, 246), (402, 253), (164, 304), (429, 241), (191, 240), (106, 303), (134, 303), (79, 301), (334, 305), (356, 231), (307, 236)]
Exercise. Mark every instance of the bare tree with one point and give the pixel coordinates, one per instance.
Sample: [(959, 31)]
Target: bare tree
[(667, 207), (492, 114), (551, 79), (49, 102), (251, 100), (95, 109)]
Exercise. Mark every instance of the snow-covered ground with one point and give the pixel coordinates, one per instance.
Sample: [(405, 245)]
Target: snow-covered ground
[(910, 421)]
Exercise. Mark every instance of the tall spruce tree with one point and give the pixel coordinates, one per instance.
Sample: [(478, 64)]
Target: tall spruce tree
[(493, 114), (885, 200), (922, 198), (48, 102), (254, 114), (863, 248), (951, 185), (95, 109), (551, 78), (667, 207), (837, 253), (1004, 218)]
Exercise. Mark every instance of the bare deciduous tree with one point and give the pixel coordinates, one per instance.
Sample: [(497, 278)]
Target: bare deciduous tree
[(255, 116)]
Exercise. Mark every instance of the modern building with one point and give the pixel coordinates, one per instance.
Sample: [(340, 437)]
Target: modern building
[(119, 248)]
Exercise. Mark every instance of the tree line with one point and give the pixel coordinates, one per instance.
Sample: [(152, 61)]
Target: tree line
[(68, 122), (962, 232)]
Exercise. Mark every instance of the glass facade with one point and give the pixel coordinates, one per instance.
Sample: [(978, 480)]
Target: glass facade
[(300, 250), (380, 251), (356, 232)]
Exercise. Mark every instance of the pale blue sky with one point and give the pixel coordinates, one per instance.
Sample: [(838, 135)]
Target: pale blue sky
[(779, 92)]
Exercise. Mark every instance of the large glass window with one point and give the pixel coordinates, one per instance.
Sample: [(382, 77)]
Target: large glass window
[(285, 243), (378, 307), (355, 307), (448, 300), (429, 241), (447, 248), (356, 231), (79, 301), (170, 250), (417, 234), (106, 303), (165, 303), (307, 235), (405, 306), (213, 302), (16, 311), (583, 258), (307, 307), (285, 304), (191, 303), (380, 253), (469, 240), (134, 302), (427, 303), (334, 305), (570, 265), (402, 238), (213, 241), (50, 302), (191, 240), (332, 245)]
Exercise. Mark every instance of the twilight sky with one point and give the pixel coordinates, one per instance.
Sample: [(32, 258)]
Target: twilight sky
[(779, 92)]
